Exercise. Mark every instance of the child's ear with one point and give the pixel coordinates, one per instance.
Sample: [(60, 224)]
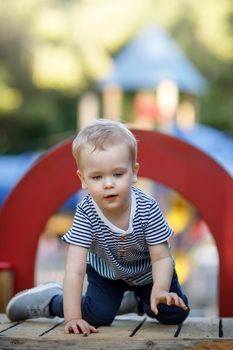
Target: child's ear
[(81, 177), (135, 172)]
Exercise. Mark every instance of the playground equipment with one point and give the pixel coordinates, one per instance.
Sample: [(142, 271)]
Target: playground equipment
[(165, 159)]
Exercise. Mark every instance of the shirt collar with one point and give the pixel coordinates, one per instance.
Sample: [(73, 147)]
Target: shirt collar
[(108, 223)]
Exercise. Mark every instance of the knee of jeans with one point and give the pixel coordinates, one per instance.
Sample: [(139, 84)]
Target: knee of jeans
[(176, 317), (98, 316), (105, 320), (101, 319)]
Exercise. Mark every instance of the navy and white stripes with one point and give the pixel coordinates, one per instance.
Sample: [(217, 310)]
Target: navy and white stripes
[(113, 252)]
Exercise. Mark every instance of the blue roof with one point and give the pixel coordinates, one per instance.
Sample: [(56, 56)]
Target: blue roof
[(217, 144), (151, 57), (12, 168)]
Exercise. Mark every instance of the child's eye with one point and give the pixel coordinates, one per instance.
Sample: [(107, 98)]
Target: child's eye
[(96, 178), (118, 174)]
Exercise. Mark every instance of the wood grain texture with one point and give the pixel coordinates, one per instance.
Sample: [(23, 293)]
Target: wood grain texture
[(195, 333)]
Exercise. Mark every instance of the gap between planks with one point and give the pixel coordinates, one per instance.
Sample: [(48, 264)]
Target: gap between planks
[(142, 327)]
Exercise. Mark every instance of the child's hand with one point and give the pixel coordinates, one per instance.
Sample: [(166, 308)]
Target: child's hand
[(164, 297), (79, 326)]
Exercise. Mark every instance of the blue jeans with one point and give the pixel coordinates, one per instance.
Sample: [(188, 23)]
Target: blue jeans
[(103, 298)]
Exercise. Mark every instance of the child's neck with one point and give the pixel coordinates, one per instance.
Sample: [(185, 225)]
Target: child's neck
[(119, 219)]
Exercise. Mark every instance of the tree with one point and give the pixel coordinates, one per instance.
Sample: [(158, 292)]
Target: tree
[(52, 50)]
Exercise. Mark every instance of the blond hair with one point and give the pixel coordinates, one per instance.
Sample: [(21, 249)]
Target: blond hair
[(101, 134)]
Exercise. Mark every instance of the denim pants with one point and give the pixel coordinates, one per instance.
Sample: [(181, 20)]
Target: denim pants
[(103, 298)]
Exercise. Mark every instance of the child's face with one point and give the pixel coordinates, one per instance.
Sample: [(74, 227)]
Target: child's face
[(108, 176)]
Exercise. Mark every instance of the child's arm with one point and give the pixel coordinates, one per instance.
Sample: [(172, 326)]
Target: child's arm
[(162, 270), (73, 286)]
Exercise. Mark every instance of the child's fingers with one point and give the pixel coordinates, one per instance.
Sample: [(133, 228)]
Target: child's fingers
[(169, 299), (84, 328), (153, 306), (79, 326), (174, 299), (182, 304), (93, 329)]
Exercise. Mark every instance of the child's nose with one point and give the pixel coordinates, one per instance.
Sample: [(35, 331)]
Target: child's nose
[(108, 182)]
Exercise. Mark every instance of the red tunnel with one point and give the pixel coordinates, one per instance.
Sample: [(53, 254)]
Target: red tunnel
[(52, 180)]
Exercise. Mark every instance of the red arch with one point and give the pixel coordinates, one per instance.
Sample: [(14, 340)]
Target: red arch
[(162, 158)]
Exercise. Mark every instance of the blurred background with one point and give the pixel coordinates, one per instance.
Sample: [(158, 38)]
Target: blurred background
[(154, 64)]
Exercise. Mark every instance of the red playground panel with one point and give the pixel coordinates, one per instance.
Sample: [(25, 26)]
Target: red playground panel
[(165, 159)]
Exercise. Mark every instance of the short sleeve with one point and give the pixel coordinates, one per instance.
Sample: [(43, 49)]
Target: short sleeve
[(157, 229), (81, 232)]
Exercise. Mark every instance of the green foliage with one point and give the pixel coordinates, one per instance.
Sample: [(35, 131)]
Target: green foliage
[(203, 29), (51, 51), (216, 109)]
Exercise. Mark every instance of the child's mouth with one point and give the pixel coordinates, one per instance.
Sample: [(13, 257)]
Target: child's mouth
[(110, 196)]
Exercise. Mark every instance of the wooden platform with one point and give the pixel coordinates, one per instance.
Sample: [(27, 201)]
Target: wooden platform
[(127, 332)]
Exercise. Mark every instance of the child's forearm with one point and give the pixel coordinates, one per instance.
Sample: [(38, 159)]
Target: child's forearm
[(162, 271), (73, 286)]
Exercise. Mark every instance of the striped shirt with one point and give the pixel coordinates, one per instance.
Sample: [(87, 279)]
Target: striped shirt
[(115, 253)]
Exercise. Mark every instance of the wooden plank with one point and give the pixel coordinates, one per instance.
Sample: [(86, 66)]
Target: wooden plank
[(227, 327), (117, 330), (4, 319), (5, 323), (199, 327), (152, 329), (92, 342), (30, 328), (196, 333)]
